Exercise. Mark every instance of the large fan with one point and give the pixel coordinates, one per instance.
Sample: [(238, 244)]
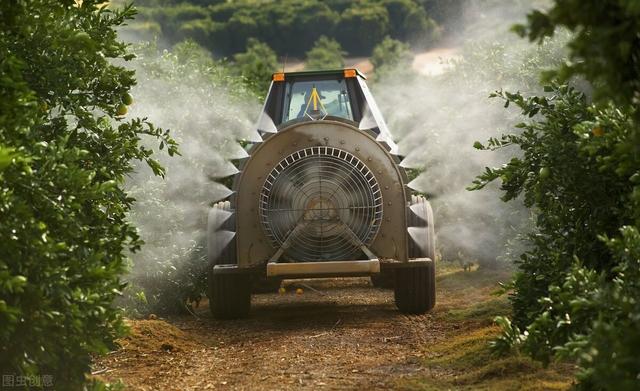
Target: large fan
[(321, 204)]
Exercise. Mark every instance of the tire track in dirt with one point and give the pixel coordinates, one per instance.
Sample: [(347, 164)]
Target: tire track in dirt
[(347, 335)]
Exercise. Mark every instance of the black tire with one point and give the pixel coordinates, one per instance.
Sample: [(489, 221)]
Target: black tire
[(415, 287), (384, 280), (229, 294)]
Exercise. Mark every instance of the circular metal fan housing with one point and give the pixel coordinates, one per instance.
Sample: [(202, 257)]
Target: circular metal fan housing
[(320, 204)]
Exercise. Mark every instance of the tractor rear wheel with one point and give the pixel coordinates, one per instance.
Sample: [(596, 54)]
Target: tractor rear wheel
[(415, 287), (385, 279), (229, 294)]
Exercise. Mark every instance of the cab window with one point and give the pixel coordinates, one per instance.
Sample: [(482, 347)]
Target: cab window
[(316, 100)]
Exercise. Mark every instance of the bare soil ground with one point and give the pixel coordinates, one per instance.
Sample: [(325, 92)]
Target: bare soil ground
[(342, 334), (434, 61)]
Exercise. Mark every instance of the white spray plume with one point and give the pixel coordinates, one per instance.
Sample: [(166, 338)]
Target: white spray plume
[(437, 119), (207, 113)]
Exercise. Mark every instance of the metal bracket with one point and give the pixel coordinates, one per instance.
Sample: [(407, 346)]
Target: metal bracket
[(356, 240), (285, 245)]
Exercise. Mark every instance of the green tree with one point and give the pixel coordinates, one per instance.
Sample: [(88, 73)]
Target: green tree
[(390, 54), (445, 12), (605, 46), (289, 27), (198, 30), (300, 25), (419, 29), (361, 28), (398, 11), (257, 64), (576, 292), (65, 149), (325, 54), (409, 22), (561, 174)]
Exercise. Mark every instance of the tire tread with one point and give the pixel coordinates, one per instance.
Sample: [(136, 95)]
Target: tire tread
[(414, 290)]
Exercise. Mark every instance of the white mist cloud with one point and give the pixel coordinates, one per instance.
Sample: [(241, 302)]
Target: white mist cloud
[(437, 119), (207, 114)]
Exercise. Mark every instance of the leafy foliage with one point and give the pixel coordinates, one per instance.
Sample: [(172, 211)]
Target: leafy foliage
[(561, 175), (605, 47), (65, 149), (576, 294), (364, 27), (391, 54), (510, 338), (290, 27), (607, 351), (590, 317), (325, 54), (445, 12), (256, 65), (569, 173)]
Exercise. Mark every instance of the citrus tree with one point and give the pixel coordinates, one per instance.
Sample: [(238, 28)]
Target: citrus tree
[(576, 292), (326, 53), (65, 149), (256, 65), (389, 55)]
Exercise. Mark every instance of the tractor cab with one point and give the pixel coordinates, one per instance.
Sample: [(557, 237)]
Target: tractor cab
[(318, 95)]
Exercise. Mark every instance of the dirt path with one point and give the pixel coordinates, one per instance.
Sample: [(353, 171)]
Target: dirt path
[(434, 61), (346, 336)]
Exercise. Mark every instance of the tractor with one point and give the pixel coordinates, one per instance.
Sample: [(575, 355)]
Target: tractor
[(322, 195)]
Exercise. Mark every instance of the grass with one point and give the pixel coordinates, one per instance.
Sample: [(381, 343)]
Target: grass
[(462, 360)]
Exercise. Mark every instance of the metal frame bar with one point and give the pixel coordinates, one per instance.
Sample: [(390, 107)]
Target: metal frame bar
[(312, 269)]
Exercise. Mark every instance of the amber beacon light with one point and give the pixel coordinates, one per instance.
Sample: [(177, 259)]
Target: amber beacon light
[(349, 73)]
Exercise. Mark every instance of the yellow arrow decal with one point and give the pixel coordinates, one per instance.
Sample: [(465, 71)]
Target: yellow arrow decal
[(315, 98)]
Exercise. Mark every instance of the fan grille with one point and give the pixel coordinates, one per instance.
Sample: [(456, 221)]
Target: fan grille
[(324, 202)]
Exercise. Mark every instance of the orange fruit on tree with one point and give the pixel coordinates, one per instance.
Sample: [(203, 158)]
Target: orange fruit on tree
[(597, 131)]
